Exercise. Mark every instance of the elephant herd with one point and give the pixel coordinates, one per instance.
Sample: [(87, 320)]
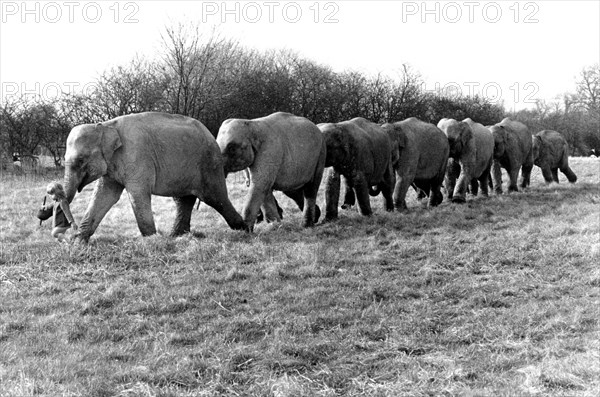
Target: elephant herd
[(155, 153)]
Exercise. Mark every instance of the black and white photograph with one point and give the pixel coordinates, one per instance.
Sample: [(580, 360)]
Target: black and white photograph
[(299, 198)]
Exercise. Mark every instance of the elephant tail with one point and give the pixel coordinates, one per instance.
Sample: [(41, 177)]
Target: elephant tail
[(374, 191)]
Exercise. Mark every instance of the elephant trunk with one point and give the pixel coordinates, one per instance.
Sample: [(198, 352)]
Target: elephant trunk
[(72, 180)]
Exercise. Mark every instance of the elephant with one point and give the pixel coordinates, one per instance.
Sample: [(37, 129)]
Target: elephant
[(551, 153), (283, 152), (419, 158), (470, 159), (513, 149), (147, 154), (360, 151)]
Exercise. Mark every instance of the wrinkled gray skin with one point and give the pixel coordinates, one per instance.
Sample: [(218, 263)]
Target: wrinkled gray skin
[(360, 151), (147, 154), (282, 152), (551, 153), (419, 155), (513, 150), (470, 159)]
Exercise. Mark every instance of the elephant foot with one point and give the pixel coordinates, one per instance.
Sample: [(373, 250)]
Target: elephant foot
[(459, 200), (330, 218), (79, 239), (401, 206), (436, 199), (513, 189)]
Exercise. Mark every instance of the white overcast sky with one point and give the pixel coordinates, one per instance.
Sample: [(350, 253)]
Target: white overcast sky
[(517, 51)]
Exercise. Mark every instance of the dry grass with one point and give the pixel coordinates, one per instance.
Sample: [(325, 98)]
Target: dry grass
[(496, 297)]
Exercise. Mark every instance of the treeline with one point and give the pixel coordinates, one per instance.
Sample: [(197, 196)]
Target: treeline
[(212, 78)]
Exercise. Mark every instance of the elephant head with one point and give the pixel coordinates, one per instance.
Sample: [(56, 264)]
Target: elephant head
[(90, 149), (239, 144), (459, 137), (500, 140), (339, 150), (397, 137)]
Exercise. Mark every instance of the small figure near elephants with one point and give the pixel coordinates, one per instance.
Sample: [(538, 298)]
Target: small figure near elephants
[(282, 152), (147, 154), (419, 157), (59, 210), (360, 151), (470, 159), (513, 150), (551, 153)]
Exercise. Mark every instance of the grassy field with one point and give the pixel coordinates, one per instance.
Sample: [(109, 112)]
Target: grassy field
[(499, 296)]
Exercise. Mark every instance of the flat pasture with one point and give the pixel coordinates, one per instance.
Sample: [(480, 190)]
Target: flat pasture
[(499, 296)]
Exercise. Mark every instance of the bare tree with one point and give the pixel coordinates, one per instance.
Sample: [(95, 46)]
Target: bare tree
[(133, 88), (588, 89), (193, 65)]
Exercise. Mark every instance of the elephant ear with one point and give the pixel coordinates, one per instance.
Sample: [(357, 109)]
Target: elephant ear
[(110, 141), (253, 136)]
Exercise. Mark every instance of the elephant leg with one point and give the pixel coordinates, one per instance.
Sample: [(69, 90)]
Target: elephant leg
[(361, 188), (436, 197), (513, 174), (497, 176), (484, 182), (349, 197), (526, 175), (474, 187), (261, 185), (569, 173), (400, 190), (299, 198), (271, 208), (387, 187), (332, 194), (183, 215), (312, 212), (555, 174), (547, 174), (452, 172), (141, 202), (106, 194)]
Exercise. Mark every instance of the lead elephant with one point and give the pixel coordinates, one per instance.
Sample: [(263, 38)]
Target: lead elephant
[(283, 152), (360, 151), (470, 158), (513, 150), (551, 153), (145, 154), (419, 155)]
